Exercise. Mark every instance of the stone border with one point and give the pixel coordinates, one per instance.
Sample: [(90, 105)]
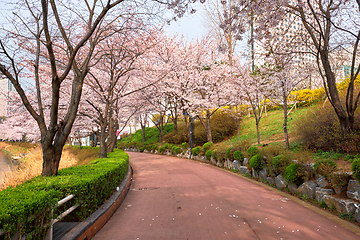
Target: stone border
[(90, 226)]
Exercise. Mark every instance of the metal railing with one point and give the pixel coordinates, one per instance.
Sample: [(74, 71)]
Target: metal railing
[(49, 235)]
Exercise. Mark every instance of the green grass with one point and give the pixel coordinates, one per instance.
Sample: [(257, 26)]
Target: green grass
[(271, 126), (151, 135)]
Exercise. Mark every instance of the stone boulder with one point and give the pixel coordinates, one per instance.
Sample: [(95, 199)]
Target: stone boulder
[(220, 164), (263, 174), (292, 187), (246, 161), (236, 164), (321, 182), (357, 214), (321, 192), (308, 189), (280, 181), (254, 173), (270, 180), (341, 205), (339, 182), (353, 190), (213, 161), (244, 170)]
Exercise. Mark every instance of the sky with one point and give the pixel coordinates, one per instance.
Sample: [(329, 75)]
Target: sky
[(191, 25)]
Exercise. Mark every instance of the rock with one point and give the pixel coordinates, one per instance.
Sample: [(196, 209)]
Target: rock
[(357, 213), (308, 189), (320, 192), (263, 174), (341, 205), (254, 173), (353, 190), (220, 164), (293, 188), (280, 181), (236, 164), (213, 160), (339, 182), (244, 170), (246, 161), (321, 182), (270, 180)]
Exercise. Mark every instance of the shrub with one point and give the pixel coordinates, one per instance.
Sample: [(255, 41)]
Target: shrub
[(148, 147), (252, 151), (325, 167), (256, 163), (184, 146), (85, 147), (207, 146), (238, 155), (177, 150), (213, 153), (26, 208), (196, 151), (295, 173), (222, 125), (280, 163), (322, 131), (355, 168), (162, 149), (167, 146), (220, 153), (154, 148), (173, 149), (141, 149), (208, 154)]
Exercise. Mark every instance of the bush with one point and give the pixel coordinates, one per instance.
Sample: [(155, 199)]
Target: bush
[(222, 126), (26, 208), (177, 150), (256, 163), (151, 135), (295, 173), (184, 146), (154, 148), (355, 168), (141, 149), (322, 131), (220, 152), (325, 167), (207, 146), (252, 151), (208, 154), (238, 155), (162, 149), (213, 153), (280, 163), (196, 151)]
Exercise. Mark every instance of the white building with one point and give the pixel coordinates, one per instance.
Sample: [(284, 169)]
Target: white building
[(5, 87)]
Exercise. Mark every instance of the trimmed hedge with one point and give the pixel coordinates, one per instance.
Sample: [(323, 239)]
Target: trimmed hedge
[(208, 154), (196, 151), (252, 151), (238, 155), (295, 173), (207, 146), (355, 168), (26, 208), (256, 163)]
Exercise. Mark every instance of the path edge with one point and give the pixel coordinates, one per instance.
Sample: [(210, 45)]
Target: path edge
[(91, 225)]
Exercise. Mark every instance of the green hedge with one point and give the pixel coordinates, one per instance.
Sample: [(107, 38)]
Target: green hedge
[(91, 184)]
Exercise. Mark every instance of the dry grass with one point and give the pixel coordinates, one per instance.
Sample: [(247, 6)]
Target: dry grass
[(31, 165)]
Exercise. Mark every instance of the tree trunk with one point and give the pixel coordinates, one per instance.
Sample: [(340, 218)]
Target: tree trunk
[(112, 135), (103, 145), (208, 127), (285, 125), (258, 131), (188, 127), (143, 128), (51, 160)]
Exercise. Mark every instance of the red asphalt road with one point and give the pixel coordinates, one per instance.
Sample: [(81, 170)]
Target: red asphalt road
[(173, 198)]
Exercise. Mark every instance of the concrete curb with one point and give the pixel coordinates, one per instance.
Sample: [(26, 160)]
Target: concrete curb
[(90, 226)]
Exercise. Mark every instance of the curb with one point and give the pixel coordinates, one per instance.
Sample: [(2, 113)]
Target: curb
[(90, 226)]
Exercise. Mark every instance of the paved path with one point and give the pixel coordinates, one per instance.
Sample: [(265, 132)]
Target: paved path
[(173, 198)]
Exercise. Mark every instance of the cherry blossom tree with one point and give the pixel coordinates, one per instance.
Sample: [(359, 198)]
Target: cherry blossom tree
[(64, 36)]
